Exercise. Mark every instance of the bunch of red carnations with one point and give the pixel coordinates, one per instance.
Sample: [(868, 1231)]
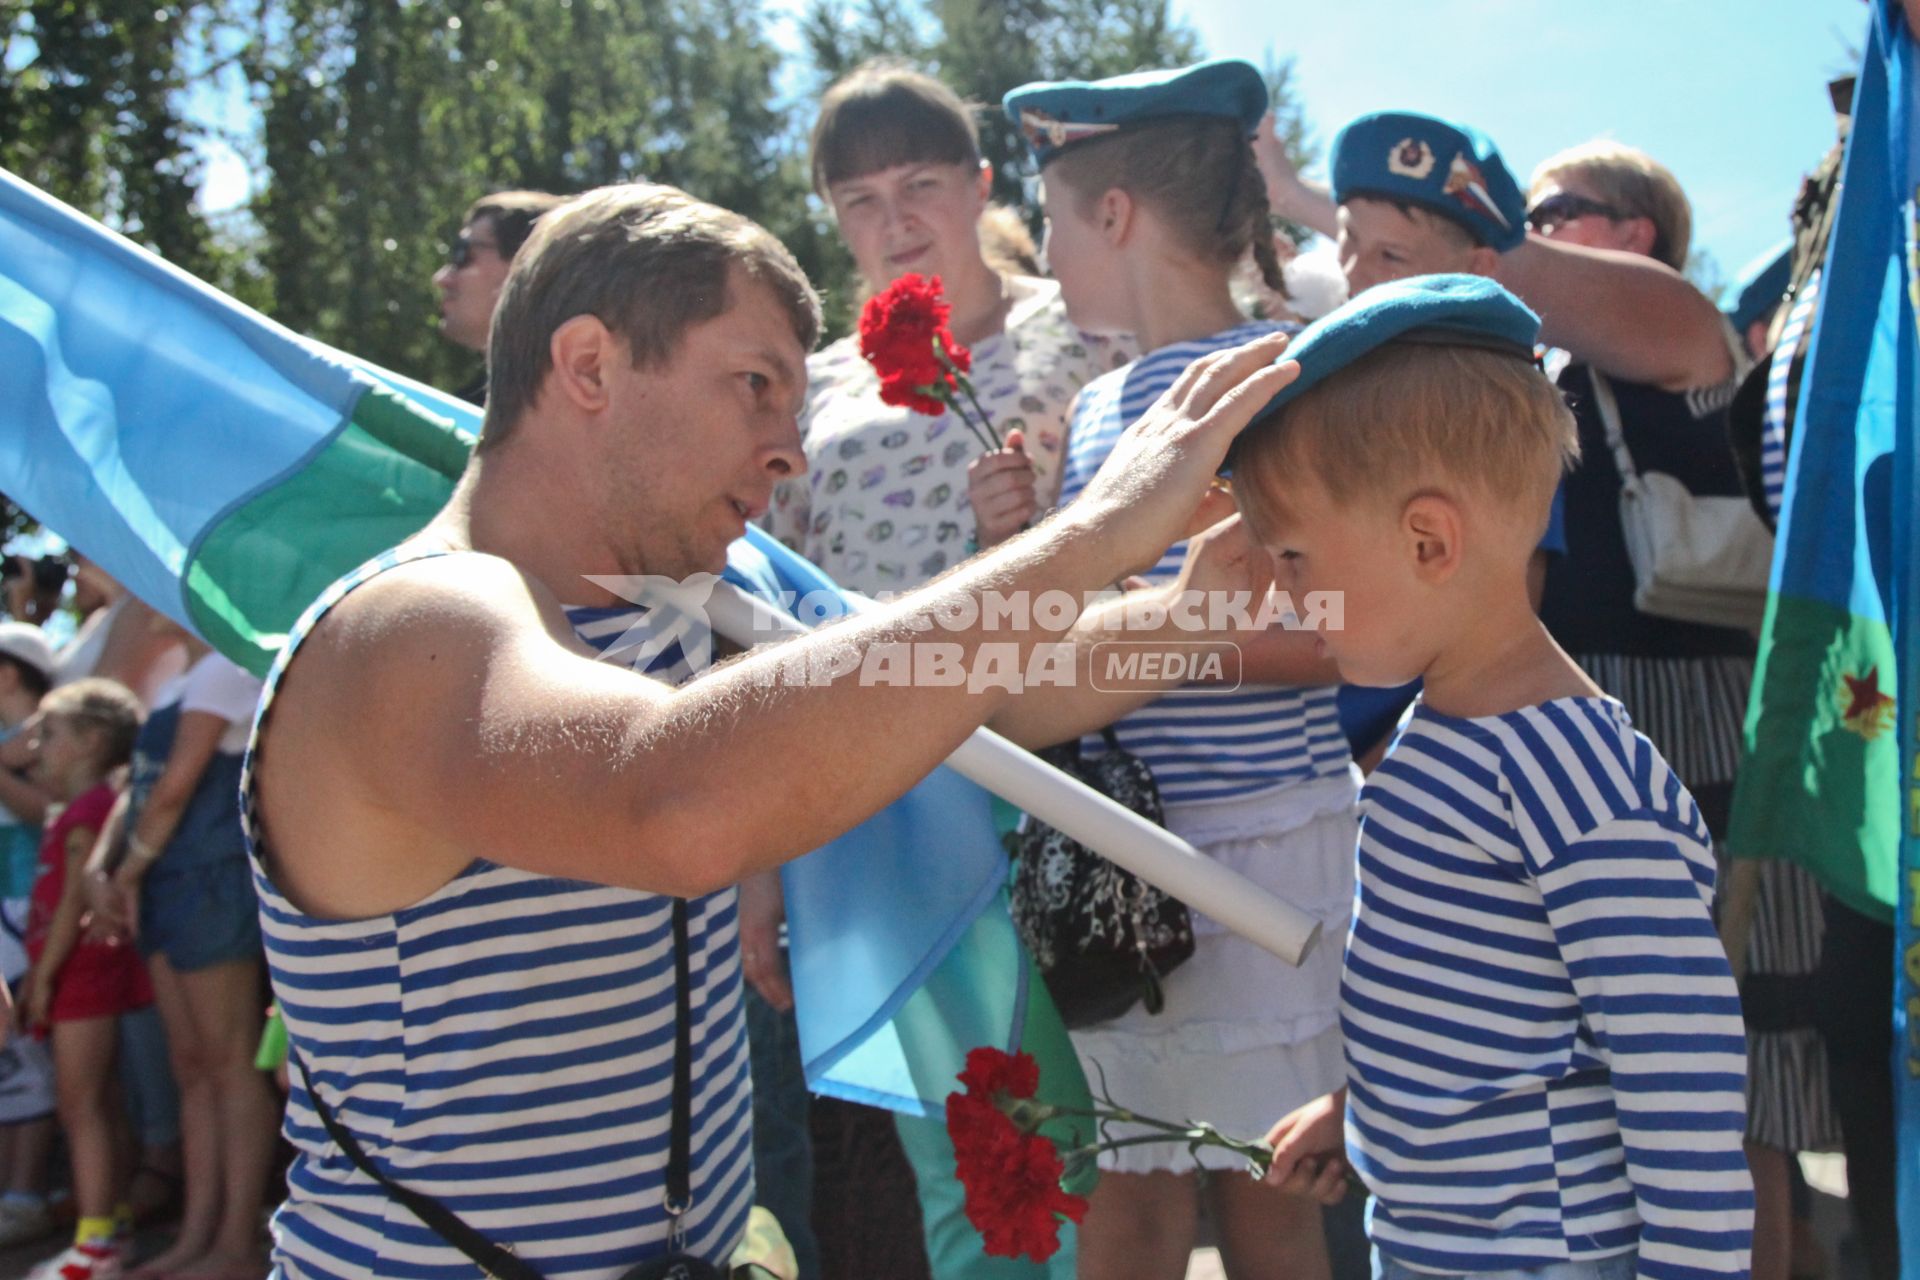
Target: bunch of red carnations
[(1011, 1172), (922, 366)]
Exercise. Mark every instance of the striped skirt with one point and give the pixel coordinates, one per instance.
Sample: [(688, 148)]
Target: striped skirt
[(1692, 709)]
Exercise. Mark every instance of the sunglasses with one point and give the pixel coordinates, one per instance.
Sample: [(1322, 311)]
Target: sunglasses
[(1565, 207), (462, 252)]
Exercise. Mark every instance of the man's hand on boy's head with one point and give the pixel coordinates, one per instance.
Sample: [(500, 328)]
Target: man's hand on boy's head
[(1143, 497), (1310, 1150)]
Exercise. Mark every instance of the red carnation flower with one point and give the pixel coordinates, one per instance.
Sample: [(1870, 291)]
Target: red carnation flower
[(901, 329), (1011, 1173), (1011, 1178), (990, 1071), (921, 365)]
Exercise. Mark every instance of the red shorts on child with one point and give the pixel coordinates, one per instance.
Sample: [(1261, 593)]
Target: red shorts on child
[(100, 980)]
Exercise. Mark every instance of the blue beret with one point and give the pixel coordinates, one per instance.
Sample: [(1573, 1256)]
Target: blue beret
[(1055, 114), (1444, 310), (1454, 171), (1759, 287)]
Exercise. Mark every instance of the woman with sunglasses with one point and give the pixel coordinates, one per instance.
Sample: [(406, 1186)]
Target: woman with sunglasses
[(1684, 683)]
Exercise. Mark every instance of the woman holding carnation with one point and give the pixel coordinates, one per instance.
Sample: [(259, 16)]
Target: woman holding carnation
[(884, 506)]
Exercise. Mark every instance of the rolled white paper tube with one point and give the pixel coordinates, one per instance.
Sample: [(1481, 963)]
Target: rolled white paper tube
[(1063, 802)]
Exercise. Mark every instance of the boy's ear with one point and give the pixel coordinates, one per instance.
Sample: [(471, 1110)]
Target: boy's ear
[(1482, 261), (1114, 215), (1430, 526)]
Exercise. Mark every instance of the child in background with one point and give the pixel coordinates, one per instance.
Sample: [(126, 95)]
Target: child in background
[(78, 987), (1153, 199), (27, 1123), (1545, 1059)]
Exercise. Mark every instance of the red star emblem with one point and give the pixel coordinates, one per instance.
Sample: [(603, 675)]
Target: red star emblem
[(1868, 712)]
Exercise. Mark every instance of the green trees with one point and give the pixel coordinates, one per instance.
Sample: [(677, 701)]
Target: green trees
[(383, 121), (90, 110), (369, 125)]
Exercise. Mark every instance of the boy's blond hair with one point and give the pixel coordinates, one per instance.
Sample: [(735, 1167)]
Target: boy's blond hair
[(1633, 182), (104, 705), (1413, 416)]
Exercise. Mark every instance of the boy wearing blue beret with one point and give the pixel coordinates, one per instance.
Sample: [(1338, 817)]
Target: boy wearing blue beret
[(1545, 1057), (1414, 194)]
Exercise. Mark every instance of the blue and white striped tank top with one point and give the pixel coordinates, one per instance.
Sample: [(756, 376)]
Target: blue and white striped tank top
[(1202, 743), (506, 1046)]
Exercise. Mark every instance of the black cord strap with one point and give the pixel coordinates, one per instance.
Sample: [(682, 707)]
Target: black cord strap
[(493, 1260)]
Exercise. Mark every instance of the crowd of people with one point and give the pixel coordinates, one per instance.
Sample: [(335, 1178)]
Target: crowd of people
[(133, 936), (524, 927)]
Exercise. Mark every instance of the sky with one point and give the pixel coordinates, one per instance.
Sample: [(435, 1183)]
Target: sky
[(1729, 94)]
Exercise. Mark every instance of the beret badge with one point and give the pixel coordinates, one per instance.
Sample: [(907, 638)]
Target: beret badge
[(1412, 158), (1468, 185), (1045, 132)]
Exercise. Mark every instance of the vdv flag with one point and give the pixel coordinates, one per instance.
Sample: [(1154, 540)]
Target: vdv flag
[(1821, 780), (227, 470), (1886, 185), (1832, 728)]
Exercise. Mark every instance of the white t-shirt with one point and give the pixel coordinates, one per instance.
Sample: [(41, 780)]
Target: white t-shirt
[(216, 685)]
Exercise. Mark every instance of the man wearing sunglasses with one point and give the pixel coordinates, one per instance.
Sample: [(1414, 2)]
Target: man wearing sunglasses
[(492, 232)]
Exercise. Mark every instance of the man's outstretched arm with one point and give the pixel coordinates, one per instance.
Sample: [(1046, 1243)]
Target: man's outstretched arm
[(455, 695)]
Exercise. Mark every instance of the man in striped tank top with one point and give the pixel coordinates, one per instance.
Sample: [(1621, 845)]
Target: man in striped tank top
[(469, 834), (1545, 1058)]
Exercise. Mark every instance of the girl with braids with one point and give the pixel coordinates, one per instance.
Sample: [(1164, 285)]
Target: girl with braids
[(1153, 197)]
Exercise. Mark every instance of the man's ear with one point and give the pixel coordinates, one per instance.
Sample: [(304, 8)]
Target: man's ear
[(1430, 527), (1115, 216), (583, 350)]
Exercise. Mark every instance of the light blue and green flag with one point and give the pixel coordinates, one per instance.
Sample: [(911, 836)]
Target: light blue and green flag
[(227, 470), (1830, 779), (1821, 780)]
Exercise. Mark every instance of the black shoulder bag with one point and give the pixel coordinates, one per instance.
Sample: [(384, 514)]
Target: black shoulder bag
[(1103, 938), (497, 1262)]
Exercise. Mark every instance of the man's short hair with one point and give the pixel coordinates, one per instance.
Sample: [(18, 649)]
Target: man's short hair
[(511, 215), (651, 262), (886, 114), (104, 705), (1409, 414), (1634, 183)]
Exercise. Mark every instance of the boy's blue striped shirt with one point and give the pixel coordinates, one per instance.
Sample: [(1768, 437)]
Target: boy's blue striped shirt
[(1546, 1061)]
